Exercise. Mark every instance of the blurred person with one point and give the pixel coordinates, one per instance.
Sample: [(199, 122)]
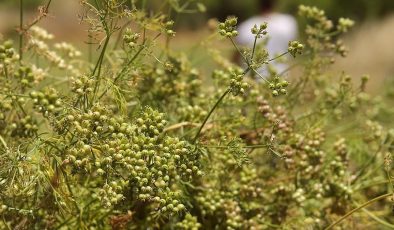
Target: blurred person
[(281, 29)]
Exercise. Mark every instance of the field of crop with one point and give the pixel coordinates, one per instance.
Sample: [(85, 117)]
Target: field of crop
[(118, 114)]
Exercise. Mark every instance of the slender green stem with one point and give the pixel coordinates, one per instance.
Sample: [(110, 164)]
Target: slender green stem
[(98, 65), (258, 74), (245, 147), (273, 59), (239, 51), (209, 114), (358, 208), (214, 107), (3, 142), (100, 59), (108, 34), (377, 219), (120, 33), (21, 30), (254, 47), (70, 190), (123, 70), (41, 15)]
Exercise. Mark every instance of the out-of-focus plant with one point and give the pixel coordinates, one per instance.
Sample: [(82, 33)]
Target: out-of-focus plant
[(137, 139)]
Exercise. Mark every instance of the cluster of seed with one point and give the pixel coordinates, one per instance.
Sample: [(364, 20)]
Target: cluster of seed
[(82, 85), (229, 27), (249, 187), (7, 53), (212, 200), (25, 76), (338, 167), (341, 148), (47, 101), (259, 31), (110, 193), (295, 48), (79, 156), (191, 113), (318, 189), (318, 31), (264, 107), (151, 123), (175, 80), (187, 161), (375, 133), (38, 42), (38, 73), (337, 183), (339, 164), (152, 179), (340, 48), (287, 153), (5, 106), (168, 155), (129, 38), (68, 50), (40, 33), (333, 93), (168, 202), (282, 120), (223, 76), (310, 165), (344, 24), (139, 151), (93, 122), (97, 123), (42, 49), (322, 34), (237, 85), (278, 86), (188, 223), (234, 218), (168, 28), (309, 152), (281, 198), (25, 127), (277, 115), (315, 14), (299, 196)]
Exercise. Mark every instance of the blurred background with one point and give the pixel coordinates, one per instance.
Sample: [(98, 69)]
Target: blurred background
[(371, 42)]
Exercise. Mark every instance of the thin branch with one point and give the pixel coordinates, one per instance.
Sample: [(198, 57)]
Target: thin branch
[(43, 12), (209, 114), (358, 208), (239, 51), (180, 125)]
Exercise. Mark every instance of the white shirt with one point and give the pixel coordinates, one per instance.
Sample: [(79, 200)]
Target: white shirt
[(281, 29)]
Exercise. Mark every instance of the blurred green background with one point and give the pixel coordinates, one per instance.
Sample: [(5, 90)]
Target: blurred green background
[(359, 10)]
